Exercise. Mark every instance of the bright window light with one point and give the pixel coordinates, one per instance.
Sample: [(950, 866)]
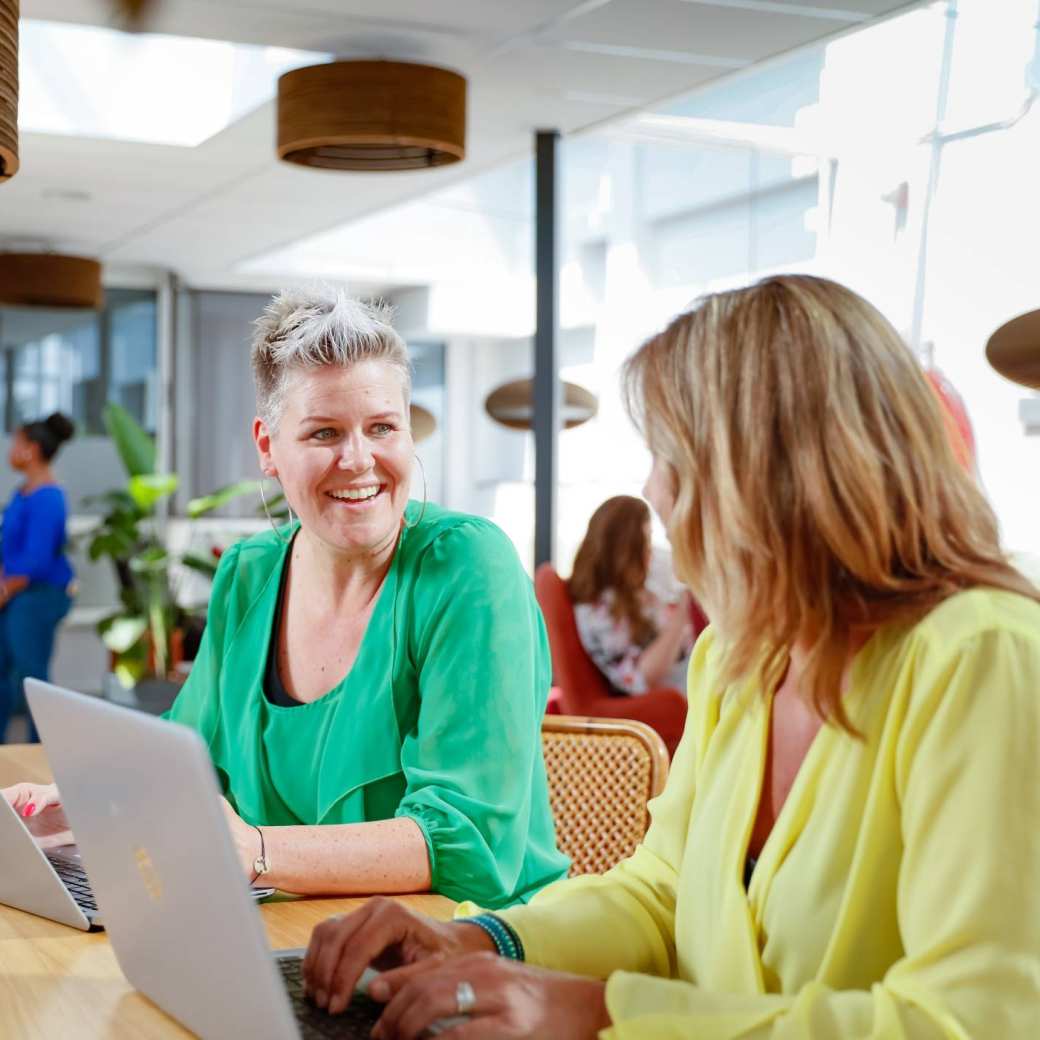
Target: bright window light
[(175, 90)]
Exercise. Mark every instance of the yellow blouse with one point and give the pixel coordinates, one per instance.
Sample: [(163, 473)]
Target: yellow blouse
[(898, 895)]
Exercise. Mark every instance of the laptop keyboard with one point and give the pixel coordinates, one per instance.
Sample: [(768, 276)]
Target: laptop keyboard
[(74, 878), (315, 1024)]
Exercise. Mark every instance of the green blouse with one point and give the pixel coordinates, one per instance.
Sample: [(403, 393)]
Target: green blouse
[(438, 720)]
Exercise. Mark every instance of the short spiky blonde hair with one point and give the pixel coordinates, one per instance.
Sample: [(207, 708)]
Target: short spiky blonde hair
[(315, 326), (817, 493)]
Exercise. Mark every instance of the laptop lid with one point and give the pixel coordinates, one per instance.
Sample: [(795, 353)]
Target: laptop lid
[(27, 880), (143, 801)]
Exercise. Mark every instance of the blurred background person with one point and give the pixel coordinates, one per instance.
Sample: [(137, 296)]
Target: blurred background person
[(34, 584), (638, 640)]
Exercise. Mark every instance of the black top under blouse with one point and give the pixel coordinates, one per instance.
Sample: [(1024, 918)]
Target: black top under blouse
[(274, 688), (749, 869)]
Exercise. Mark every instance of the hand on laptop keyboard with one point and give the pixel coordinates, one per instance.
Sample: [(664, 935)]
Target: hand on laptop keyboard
[(355, 1022), (39, 806), (383, 934)]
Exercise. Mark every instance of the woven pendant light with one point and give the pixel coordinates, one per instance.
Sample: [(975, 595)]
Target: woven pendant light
[(8, 89), (512, 405), (50, 280), (371, 115)]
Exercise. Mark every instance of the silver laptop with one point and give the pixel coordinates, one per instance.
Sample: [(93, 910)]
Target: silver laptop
[(143, 801), (52, 884), (142, 798)]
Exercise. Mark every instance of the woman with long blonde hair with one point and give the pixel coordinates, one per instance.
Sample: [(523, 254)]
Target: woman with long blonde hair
[(848, 845)]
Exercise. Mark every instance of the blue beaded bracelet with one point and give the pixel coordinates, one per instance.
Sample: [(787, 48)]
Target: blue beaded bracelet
[(506, 941)]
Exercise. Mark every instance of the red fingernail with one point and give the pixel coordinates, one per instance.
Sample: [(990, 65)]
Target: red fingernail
[(29, 809)]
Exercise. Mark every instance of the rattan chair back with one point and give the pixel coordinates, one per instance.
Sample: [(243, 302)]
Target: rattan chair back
[(602, 772)]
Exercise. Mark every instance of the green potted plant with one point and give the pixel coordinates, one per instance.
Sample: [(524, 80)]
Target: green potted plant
[(144, 636)]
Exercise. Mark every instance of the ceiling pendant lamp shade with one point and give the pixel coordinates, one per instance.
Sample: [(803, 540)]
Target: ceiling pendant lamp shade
[(50, 280), (1014, 350), (512, 405), (134, 12), (8, 89), (423, 423), (371, 115)]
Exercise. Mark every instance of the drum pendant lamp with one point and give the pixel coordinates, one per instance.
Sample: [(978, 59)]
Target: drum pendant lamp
[(50, 280), (8, 89), (371, 116), (1014, 350), (512, 405), (423, 423)]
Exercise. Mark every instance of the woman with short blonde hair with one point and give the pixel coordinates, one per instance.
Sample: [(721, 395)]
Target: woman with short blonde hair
[(847, 844), (373, 675)]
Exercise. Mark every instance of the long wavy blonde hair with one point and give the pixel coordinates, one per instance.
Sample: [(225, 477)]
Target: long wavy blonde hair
[(817, 493)]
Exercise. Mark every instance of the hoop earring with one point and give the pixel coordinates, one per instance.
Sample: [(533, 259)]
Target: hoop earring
[(422, 512), (270, 519)]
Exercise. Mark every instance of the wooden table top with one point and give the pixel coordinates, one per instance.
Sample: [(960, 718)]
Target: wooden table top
[(59, 982)]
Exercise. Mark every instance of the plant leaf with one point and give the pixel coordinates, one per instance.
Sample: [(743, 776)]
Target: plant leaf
[(112, 542), (152, 561), (121, 632), (135, 445), (221, 497), (148, 488), (158, 623), (200, 564)]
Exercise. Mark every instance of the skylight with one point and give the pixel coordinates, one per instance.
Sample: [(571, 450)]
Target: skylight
[(175, 90)]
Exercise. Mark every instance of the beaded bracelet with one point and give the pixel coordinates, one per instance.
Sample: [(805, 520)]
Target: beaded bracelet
[(506, 941)]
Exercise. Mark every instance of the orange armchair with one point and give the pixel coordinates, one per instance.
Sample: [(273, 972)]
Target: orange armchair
[(583, 688)]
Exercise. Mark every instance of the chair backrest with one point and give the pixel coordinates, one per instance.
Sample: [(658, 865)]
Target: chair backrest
[(602, 772), (579, 680)]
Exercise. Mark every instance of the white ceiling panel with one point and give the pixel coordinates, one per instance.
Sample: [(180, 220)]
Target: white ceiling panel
[(676, 27), (830, 10), (314, 24), (548, 74), (568, 64)]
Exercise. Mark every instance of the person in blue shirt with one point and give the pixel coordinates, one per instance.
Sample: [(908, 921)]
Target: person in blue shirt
[(35, 575)]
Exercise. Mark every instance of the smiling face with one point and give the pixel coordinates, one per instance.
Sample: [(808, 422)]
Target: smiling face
[(343, 452)]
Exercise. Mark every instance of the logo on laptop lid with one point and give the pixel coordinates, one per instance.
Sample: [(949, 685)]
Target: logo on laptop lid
[(149, 875)]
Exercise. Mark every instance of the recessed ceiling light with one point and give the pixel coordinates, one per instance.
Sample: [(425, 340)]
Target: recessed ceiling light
[(67, 194), (74, 82)]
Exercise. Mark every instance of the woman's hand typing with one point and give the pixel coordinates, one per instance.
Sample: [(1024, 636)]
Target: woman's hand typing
[(39, 806), (511, 1000), (382, 934)]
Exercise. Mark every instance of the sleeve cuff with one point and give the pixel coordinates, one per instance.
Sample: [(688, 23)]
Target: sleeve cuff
[(642, 1005), (431, 848)]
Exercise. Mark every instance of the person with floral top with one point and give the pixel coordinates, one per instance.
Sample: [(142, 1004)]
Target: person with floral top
[(636, 639)]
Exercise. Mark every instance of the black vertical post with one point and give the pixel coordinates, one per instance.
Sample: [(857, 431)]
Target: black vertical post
[(547, 388)]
